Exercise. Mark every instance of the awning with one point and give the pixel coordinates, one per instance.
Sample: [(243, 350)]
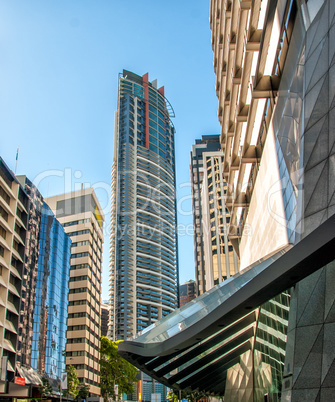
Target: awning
[(29, 374), (194, 347)]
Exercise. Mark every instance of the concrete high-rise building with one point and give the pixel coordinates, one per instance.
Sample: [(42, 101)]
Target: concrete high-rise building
[(82, 218), (13, 229), (215, 259), (220, 259), (143, 266), (51, 298), (207, 143)]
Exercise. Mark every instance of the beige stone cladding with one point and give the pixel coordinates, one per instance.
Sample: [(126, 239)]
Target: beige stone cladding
[(82, 218), (13, 227)]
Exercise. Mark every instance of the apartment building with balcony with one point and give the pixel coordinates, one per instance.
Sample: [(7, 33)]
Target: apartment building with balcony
[(144, 261), (13, 229)]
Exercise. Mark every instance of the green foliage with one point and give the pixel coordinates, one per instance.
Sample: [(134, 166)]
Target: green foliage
[(173, 395), (72, 382), (83, 391), (45, 389), (114, 370)]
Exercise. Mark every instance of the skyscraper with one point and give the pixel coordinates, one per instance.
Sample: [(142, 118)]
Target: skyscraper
[(81, 216), (51, 291), (221, 260), (215, 259), (143, 266), (207, 143)]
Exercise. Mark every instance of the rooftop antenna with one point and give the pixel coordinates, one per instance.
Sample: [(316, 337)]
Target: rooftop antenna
[(17, 157)]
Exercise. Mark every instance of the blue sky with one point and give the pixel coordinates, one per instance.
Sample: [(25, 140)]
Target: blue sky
[(59, 66)]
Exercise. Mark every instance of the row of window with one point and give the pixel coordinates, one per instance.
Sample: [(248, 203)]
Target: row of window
[(82, 340), (81, 243), (82, 353), (83, 315), (82, 328), (83, 302), (85, 367), (78, 222)]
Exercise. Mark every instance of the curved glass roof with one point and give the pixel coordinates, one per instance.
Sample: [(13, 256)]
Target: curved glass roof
[(203, 305)]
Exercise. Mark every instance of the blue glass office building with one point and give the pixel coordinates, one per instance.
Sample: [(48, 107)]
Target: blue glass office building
[(49, 335), (144, 267)]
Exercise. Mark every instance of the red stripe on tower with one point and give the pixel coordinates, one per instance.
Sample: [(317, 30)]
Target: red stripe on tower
[(161, 91), (145, 79)]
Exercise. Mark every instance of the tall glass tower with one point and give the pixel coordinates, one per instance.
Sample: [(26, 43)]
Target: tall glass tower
[(49, 336), (144, 265)]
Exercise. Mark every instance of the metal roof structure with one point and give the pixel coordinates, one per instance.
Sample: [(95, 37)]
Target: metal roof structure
[(195, 346)]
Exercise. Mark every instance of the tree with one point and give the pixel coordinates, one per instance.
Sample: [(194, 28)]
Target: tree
[(83, 391), (46, 388), (191, 396), (72, 382), (114, 370)]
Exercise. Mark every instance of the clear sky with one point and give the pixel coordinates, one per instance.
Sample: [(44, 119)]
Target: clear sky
[(59, 66)]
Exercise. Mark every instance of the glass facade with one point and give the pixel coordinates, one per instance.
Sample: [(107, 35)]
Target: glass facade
[(49, 335), (143, 274), (29, 277)]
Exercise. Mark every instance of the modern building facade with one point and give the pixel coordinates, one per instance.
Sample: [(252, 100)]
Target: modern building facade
[(220, 259), (187, 292), (13, 228), (274, 62), (29, 277), (51, 303), (143, 266), (14, 207), (206, 144), (219, 344), (215, 258), (82, 218)]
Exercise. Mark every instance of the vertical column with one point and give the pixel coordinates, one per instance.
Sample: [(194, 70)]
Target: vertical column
[(145, 78), (216, 211)]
